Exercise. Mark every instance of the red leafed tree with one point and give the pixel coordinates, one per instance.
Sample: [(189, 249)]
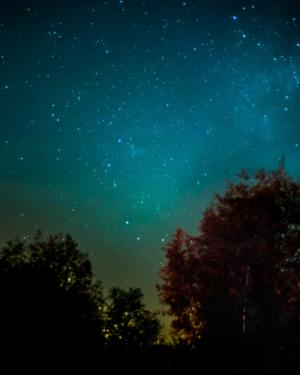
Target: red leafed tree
[(239, 278)]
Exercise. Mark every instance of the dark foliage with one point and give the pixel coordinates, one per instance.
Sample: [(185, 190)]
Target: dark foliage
[(41, 322), (127, 321), (53, 315), (238, 282)]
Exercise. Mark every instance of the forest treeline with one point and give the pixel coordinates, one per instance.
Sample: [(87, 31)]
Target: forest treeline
[(51, 307), (234, 291)]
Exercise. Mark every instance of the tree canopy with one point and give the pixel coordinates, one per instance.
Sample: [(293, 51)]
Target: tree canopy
[(241, 275), (49, 304), (71, 267), (127, 320), (51, 308)]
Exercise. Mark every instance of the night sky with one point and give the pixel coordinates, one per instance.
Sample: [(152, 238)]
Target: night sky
[(121, 119)]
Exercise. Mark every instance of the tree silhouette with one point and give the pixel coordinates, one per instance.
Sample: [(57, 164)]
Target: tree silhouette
[(47, 297), (239, 280), (72, 268), (128, 323)]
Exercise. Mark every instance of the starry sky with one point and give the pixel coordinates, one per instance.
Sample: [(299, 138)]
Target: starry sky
[(121, 119)]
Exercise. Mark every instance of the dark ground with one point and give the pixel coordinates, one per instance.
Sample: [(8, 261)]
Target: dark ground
[(210, 358)]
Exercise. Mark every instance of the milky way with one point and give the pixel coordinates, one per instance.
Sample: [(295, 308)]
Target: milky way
[(121, 119)]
